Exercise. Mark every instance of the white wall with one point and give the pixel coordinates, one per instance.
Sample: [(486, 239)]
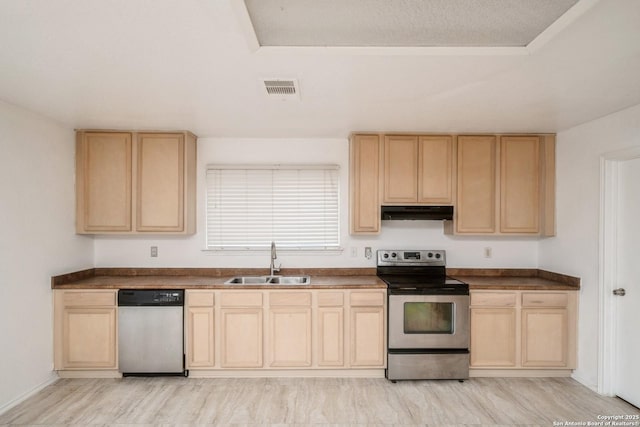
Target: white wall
[(187, 252), (37, 241), (575, 249)]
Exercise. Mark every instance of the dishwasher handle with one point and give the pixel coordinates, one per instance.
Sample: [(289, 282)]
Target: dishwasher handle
[(150, 297)]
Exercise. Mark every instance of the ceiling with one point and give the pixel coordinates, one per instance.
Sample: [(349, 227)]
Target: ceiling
[(450, 23), (196, 65)]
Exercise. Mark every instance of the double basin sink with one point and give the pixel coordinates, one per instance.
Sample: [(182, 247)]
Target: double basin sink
[(269, 280)]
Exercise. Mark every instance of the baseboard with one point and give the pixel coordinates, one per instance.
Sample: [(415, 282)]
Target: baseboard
[(287, 373), (24, 396), (89, 374), (522, 373), (582, 380)]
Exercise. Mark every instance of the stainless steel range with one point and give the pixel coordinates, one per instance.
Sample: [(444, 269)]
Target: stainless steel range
[(428, 319)]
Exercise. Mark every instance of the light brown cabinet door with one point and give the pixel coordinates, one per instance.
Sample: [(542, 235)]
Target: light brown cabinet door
[(290, 337), (160, 179), (241, 337), (493, 337), (519, 184), (400, 169), (200, 337), (103, 168), (545, 337), (435, 169), (89, 338), (367, 336), (364, 184), (476, 207), (331, 336), (85, 329)]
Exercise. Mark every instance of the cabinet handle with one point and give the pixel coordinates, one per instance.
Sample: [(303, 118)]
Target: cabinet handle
[(620, 292)]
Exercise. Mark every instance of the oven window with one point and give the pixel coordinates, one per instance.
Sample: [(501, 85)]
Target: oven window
[(428, 317)]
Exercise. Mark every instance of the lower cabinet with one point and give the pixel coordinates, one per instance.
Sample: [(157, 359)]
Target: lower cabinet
[(493, 337), (318, 329), (330, 329), (367, 329), (523, 329), (236, 329), (286, 329), (545, 337), (289, 337), (85, 330), (241, 337), (289, 329), (199, 324)]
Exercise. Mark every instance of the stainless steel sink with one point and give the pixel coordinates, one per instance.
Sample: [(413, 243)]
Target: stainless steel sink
[(248, 280), (269, 280), (291, 280)]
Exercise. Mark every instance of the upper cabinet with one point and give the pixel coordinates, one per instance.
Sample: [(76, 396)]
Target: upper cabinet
[(436, 169), (506, 185), (418, 169), (135, 182), (400, 170), (364, 205), (476, 205), (520, 184), (498, 184)]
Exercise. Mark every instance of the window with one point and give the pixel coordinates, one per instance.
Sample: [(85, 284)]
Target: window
[(297, 207)]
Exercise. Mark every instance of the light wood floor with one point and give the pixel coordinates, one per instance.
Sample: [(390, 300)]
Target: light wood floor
[(313, 401)]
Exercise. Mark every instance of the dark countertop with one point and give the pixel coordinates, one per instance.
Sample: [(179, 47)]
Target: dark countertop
[(515, 279), (321, 278), (188, 278)]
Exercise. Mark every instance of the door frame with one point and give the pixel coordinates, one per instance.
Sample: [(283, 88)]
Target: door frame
[(609, 177)]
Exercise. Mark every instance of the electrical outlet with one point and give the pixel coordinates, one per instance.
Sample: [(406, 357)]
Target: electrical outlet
[(154, 251), (488, 252), (354, 252), (367, 252)]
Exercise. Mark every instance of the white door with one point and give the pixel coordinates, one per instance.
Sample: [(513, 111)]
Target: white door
[(628, 266)]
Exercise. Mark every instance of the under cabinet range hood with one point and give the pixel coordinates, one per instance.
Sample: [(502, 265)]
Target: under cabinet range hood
[(416, 213)]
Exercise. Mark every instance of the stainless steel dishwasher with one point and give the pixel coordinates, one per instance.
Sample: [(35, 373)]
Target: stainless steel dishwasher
[(150, 332)]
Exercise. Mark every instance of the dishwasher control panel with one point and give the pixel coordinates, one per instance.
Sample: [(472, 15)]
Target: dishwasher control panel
[(151, 297)]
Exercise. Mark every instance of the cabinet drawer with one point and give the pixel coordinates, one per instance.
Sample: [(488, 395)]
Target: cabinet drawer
[(86, 299), (290, 299), (505, 299), (330, 299), (241, 299), (538, 299), (200, 299), (367, 298)]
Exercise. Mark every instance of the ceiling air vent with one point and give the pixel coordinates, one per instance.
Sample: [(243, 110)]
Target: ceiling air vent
[(282, 88)]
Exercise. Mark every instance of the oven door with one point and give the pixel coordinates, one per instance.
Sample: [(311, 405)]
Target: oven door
[(428, 321)]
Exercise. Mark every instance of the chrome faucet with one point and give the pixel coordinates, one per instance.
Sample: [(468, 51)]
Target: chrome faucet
[(274, 256)]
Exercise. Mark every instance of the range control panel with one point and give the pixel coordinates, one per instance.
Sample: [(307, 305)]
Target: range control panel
[(397, 257)]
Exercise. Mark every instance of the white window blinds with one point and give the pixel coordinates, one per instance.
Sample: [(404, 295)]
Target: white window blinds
[(295, 206)]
